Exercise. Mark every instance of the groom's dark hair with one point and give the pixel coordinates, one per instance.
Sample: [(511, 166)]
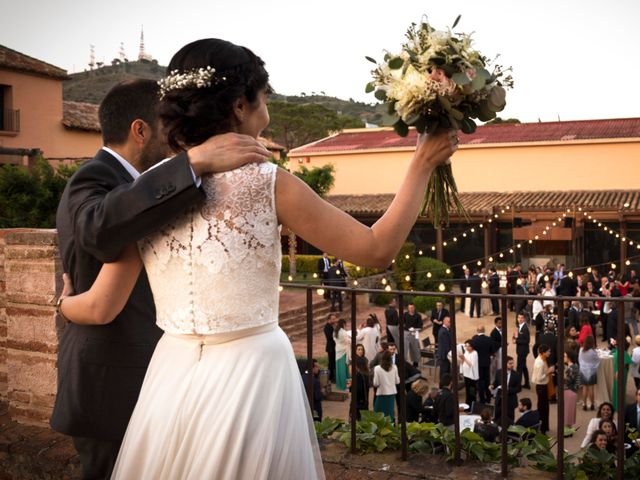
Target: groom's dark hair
[(190, 115), (125, 102)]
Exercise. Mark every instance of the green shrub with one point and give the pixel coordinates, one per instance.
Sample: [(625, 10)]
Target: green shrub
[(309, 264), (381, 299), (405, 263), (426, 304), (438, 270), (375, 432)]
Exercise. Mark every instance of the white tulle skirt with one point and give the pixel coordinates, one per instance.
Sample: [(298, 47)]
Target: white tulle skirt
[(222, 407)]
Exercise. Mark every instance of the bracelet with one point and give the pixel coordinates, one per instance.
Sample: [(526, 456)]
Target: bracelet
[(59, 308)]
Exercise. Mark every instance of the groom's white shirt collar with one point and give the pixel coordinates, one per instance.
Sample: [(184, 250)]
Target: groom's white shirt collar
[(127, 166)]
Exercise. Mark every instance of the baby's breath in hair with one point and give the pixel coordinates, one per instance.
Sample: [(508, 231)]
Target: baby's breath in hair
[(198, 78)]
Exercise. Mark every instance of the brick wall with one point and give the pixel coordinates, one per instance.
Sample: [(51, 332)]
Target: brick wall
[(3, 322), (31, 279)]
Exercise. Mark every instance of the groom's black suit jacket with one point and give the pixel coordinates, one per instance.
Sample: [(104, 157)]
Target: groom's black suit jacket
[(101, 368)]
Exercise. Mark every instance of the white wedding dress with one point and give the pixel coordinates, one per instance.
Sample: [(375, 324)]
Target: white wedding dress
[(223, 397)]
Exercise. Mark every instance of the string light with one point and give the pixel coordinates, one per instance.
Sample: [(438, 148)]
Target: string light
[(441, 287), (491, 259), (448, 271), (320, 291), (407, 278), (464, 267), (355, 283), (290, 278), (419, 252), (383, 281), (479, 263), (407, 257), (428, 274), (484, 284), (570, 274), (613, 266), (280, 288), (628, 262), (387, 288)]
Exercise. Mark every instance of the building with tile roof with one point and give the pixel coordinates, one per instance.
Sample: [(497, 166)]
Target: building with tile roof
[(515, 179), (33, 117)]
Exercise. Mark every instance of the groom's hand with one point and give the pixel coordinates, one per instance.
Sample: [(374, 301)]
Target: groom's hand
[(226, 152)]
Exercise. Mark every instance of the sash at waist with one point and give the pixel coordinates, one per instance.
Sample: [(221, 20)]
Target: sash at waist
[(217, 338)]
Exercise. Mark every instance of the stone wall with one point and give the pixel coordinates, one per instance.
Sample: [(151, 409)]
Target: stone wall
[(3, 322), (31, 279)]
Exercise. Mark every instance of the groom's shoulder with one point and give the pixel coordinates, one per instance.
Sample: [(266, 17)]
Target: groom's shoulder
[(100, 168)]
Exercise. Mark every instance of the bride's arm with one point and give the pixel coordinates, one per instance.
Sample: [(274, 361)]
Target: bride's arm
[(332, 230), (109, 293)]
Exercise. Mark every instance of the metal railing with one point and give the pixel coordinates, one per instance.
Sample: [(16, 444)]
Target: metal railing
[(503, 299), (10, 120)]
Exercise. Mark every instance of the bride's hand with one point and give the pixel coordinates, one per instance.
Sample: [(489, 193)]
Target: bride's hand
[(435, 149)]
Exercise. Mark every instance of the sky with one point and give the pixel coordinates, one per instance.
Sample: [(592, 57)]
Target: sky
[(571, 59)]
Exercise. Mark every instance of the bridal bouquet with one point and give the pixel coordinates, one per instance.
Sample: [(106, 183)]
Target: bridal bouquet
[(438, 80)]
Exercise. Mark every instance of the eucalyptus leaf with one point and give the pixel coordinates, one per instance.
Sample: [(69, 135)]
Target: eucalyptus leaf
[(456, 22), (396, 63), (481, 72), (370, 87), (401, 128), (371, 59), (421, 124), (478, 83), (468, 126), (380, 95), (389, 119), (444, 101), (460, 78), (498, 95), (457, 114), (412, 119)]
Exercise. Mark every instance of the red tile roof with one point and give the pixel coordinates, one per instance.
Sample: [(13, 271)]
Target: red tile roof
[(80, 116), (483, 203), (12, 60), (270, 144), (368, 139)]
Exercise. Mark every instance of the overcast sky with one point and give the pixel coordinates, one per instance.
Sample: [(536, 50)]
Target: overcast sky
[(573, 59)]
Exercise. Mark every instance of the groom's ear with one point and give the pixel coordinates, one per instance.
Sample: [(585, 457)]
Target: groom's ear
[(140, 132)]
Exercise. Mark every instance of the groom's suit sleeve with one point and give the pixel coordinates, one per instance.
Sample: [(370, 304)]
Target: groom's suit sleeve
[(108, 214)]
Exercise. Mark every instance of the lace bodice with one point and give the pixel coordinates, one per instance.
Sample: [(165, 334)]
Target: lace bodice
[(216, 267)]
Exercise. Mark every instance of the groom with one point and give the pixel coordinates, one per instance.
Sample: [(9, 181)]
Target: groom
[(105, 206)]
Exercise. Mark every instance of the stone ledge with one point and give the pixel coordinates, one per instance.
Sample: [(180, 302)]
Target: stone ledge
[(22, 236)]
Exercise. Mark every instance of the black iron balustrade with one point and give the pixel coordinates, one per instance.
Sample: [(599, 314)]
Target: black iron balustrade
[(402, 294)]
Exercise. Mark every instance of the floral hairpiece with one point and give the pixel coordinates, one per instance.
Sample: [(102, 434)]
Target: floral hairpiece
[(198, 78)]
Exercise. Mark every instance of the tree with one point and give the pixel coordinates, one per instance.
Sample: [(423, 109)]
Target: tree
[(499, 120), (29, 197), (295, 124)]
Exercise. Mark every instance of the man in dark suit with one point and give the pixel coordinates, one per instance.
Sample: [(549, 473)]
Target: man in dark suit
[(334, 279), (632, 420), (464, 283), (444, 347), (485, 348), (513, 387), (522, 339), (496, 338), (475, 286), (324, 264), (444, 404), (330, 348), (392, 319), (528, 418), (573, 317), (102, 209), (494, 288), (437, 316)]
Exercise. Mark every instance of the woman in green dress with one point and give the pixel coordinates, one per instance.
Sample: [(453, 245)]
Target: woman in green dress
[(627, 363)]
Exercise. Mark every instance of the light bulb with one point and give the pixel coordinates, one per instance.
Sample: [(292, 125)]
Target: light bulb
[(464, 234), (320, 291), (481, 225), (589, 270), (495, 215), (484, 284), (511, 250), (433, 248), (407, 278), (357, 269), (315, 275), (388, 288), (536, 237), (614, 266), (546, 278), (355, 283), (570, 274), (501, 254), (428, 274), (519, 281), (473, 230), (419, 252), (384, 281), (407, 257), (479, 263), (444, 244), (448, 270), (628, 262), (491, 259), (455, 239), (464, 267), (519, 245), (530, 241), (441, 287), (290, 278), (280, 288)]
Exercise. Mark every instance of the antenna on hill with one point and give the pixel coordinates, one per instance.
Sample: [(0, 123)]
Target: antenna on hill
[(142, 55), (121, 53), (558, 117), (92, 56)]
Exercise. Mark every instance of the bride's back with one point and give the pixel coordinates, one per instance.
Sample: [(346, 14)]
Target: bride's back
[(216, 267)]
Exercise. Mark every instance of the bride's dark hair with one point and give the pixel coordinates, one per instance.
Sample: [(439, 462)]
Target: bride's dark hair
[(192, 115)]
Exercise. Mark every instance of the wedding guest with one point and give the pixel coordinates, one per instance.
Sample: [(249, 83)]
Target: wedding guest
[(342, 344), (361, 384), (605, 411), (469, 370), (369, 337), (464, 284), (522, 338), (392, 322), (324, 264), (385, 378), (494, 288), (474, 282), (444, 347), (528, 418), (335, 278), (318, 396), (585, 328), (485, 348), (496, 338), (589, 361), (625, 375), (412, 323), (635, 359), (485, 427), (416, 398), (330, 347), (608, 427), (540, 377), (445, 403), (632, 420), (513, 387), (437, 317), (598, 441), (571, 384)]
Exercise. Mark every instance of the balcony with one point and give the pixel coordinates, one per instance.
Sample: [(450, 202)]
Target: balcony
[(10, 121)]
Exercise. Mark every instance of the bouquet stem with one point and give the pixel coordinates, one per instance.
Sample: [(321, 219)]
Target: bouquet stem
[(442, 197)]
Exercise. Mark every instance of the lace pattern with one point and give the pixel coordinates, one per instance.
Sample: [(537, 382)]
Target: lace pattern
[(216, 267)]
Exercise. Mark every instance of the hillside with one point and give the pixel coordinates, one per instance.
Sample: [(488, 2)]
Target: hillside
[(92, 86)]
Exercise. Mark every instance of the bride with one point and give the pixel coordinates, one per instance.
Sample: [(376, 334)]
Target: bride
[(222, 397)]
